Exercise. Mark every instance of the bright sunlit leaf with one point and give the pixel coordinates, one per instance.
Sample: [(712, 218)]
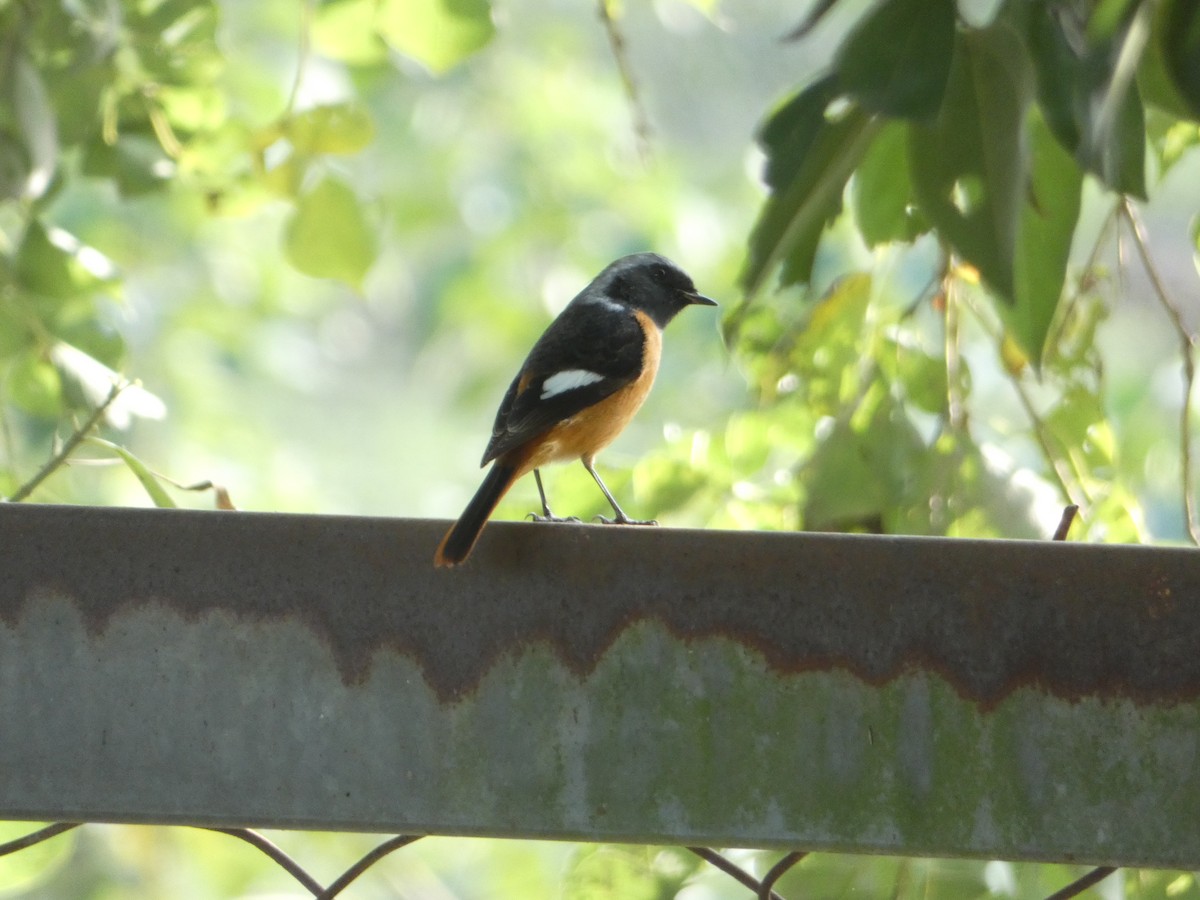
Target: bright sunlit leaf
[(345, 30), (329, 237), (148, 479), (335, 128), (439, 34)]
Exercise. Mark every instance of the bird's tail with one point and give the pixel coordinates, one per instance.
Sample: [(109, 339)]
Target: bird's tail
[(456, 545)]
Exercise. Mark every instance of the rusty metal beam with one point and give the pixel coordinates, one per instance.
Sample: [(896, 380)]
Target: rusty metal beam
[(918, 696)]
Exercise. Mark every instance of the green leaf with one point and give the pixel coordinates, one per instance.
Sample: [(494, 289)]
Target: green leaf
[(1093, 109), (148, 479), (920, 377), (336, 128), (629, 872), (810, 155), (16, 332), (882, 191), (969, 167), (439, 34), (897, 59), (53, 263), (136, 163), (345, 30), (1180, 36), (41, 267), (1047, 225), (30, 111), (328, 236), (826, 353), (34, 385)]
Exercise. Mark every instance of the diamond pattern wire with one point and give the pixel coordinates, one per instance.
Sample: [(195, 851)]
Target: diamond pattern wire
[(763, 889)]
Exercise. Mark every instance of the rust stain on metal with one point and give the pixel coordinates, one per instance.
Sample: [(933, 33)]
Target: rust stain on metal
[(989, 617)]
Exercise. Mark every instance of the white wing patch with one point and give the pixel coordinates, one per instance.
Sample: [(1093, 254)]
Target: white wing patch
[(568, 380)]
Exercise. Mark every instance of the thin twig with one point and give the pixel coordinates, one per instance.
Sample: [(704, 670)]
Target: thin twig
[(1187, 342), (285, 862), (69, 446), (1064, 472), (777, 871), (713, 858), (343, 881), (956, 415), (1042, 438), (1079, 885), (1064, 524), (36, 837), (616, 41)]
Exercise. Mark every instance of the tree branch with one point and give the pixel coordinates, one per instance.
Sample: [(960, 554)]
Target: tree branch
[(56, 461)]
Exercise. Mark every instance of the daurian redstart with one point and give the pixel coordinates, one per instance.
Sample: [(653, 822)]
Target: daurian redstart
[(579, 387)]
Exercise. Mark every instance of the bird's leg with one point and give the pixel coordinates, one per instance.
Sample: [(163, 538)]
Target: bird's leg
[(546, 515), (619, 518)]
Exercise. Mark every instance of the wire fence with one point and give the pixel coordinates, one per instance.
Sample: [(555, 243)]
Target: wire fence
[(761, 888)]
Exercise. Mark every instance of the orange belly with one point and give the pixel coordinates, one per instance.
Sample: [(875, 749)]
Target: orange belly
[(589, 431)]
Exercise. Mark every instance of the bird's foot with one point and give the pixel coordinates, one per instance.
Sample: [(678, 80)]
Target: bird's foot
[(548, 516), (625, 520)]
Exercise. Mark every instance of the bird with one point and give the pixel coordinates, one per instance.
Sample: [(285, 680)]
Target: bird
[(582, 382)]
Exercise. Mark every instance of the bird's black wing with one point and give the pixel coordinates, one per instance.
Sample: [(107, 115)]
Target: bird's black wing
[(591, 350)]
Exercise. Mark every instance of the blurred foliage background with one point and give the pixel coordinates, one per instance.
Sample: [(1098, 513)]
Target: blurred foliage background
[(954, 245)]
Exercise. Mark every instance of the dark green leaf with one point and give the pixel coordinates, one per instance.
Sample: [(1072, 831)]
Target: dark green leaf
[(1093, 109), (1108, 18), (1155, 83), (1180, 37), (969, 167), (810, 155), (1047, 225), (329, 237), (882, 191), (810, 21), (897, 59)]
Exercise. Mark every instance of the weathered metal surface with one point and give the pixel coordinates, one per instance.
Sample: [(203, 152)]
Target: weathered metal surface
[(1008, 699)]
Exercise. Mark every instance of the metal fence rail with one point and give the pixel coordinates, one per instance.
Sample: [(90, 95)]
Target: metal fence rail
[(912, 696)]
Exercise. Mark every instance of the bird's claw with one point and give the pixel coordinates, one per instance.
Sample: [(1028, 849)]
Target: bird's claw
[(550, 517), (625, 520)]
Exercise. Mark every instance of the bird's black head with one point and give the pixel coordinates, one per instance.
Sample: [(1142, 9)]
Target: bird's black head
[(651, 283)]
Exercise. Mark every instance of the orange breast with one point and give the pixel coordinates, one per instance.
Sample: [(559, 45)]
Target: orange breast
[(591, 430)]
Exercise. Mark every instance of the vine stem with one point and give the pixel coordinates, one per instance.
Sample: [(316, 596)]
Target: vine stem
[(616, 41), (1187, 341)]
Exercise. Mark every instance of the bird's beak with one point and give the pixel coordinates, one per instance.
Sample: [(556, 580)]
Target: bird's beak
[(701, 300)]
